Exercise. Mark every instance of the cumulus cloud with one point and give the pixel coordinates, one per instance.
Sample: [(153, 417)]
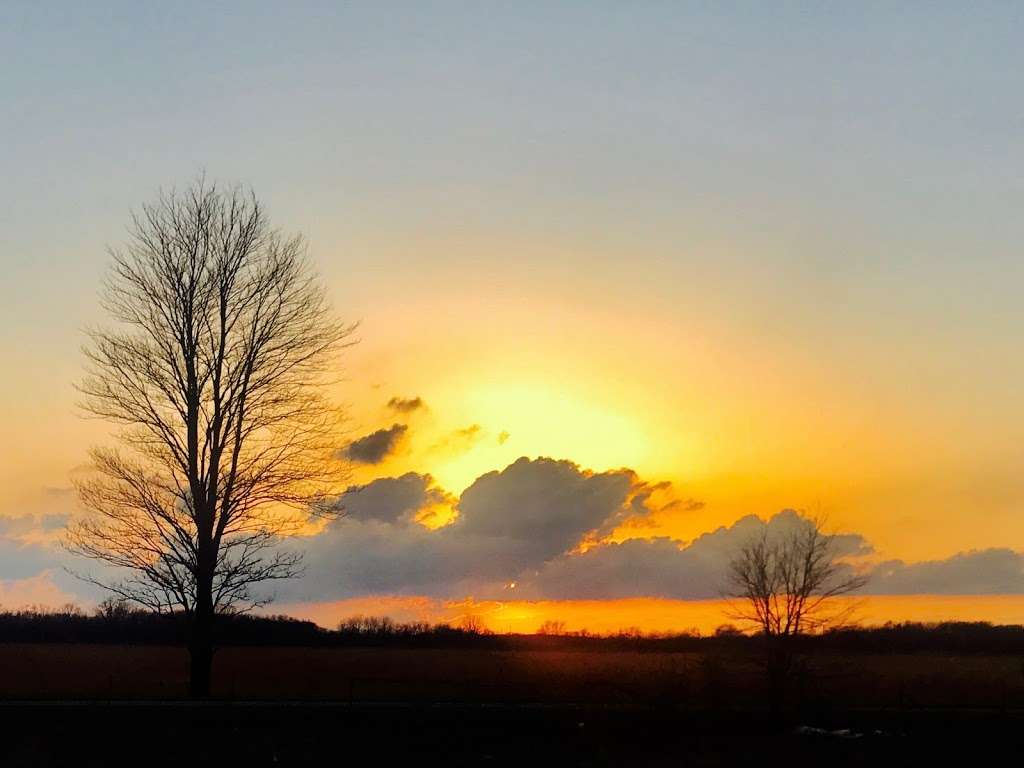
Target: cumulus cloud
[(541, 523), (544, 504), (406, 405), (525, 524), (376, 446), (508, 523)]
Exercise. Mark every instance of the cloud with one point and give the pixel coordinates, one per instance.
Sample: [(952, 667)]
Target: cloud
[(667, 568), (978, 572), (544, 504), (541, 523), (376, 446), (406, 405), (525, 524), (503, 437), (392, 499), (508, 523)]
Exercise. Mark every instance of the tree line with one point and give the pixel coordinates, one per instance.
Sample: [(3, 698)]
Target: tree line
[(117, 623)]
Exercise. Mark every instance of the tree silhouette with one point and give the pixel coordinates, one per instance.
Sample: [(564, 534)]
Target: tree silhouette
[(215, 372), (787, 584)]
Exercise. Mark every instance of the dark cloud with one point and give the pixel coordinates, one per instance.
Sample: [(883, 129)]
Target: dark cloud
[(509, 523), (978, 572), (544, 503), (377, 446), (663, 567), (524, 524), (406, 405), (392, 499)]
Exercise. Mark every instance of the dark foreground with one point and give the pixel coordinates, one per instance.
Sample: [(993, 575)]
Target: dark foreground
[(104, 705), (284, 734)]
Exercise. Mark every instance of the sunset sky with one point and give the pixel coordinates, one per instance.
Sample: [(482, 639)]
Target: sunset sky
[(626, 275)]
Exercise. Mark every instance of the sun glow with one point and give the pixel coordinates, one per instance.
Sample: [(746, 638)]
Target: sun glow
[(540, 420), (648, 614)]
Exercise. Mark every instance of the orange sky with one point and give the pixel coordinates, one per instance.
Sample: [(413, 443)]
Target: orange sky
[(647, 614), (786, 277)]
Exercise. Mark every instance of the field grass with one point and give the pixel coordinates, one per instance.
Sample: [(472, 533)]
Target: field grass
[(594, 678), (103, 705)]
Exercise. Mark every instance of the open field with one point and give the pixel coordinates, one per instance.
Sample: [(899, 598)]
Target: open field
[(624, 679), (100, 705)]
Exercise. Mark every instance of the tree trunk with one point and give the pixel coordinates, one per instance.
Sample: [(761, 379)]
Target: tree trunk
[(199, 671), (201, 641), (779, 666)]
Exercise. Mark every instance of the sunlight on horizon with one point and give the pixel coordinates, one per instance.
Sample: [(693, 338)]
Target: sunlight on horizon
[(649, 615)]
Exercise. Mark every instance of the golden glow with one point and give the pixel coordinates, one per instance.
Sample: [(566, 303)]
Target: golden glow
[(685, 392), (648, 614), (539, 420), (436, 516)]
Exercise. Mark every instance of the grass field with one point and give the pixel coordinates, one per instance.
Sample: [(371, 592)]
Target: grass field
[(594, 678), (101, 705)]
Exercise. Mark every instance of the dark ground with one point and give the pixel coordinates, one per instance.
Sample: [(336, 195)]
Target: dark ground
[(901, 696), (284, 734)]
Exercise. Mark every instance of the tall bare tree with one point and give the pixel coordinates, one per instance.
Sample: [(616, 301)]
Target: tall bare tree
[(214, 370)]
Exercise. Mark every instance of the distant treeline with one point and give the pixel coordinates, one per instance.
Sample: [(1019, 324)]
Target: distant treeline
[(119, 624)]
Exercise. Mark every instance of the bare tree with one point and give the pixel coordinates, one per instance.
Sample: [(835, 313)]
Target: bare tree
[(215, 372), (786, 584)]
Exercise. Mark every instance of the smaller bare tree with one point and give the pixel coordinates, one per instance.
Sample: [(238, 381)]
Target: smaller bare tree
[(786, 584)]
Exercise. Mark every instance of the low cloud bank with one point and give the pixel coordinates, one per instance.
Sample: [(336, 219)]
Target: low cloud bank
[(535, 530), (524, 526)]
